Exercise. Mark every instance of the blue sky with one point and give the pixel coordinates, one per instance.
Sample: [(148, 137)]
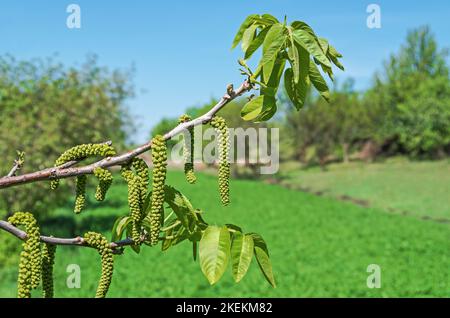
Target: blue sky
[(181, 49)]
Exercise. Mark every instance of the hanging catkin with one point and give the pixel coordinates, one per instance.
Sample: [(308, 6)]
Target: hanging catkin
[(220, 125), (188, 151)]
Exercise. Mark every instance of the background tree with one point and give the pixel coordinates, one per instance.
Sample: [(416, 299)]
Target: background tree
[(412, 97), (57, 107)]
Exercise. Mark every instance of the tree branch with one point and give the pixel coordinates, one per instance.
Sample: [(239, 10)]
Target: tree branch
[(67, 170), (76, 241)]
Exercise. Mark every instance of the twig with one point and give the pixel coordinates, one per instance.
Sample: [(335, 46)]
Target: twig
[(18, 163), (67, 170), (76, 241)]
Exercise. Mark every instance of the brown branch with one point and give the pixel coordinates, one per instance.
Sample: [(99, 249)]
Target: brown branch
[(76, 241), (67, 170)]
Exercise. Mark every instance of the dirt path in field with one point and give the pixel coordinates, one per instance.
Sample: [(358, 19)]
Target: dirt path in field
[(356, 201)]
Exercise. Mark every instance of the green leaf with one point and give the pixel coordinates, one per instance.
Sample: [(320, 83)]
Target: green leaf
[(240, 33), (270, 18), (233, 227), (253, 108), (256, 43), (248, 37), (294, 59), (273, 43), (310, 43), (214, 252), (267, 70), (300, 25), (119, 227), (333, 51), (262, 256), (182, 208), (318, 81), (261, 105), (295, 92), (241, 255), (273, 81), (324, 45)]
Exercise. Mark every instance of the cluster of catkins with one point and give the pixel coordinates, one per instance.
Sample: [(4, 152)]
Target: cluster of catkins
[(188, 151), (104, 176), (30, 265), (101, 244), (159, 158), (137, 190), (220, 125), (48, 260)]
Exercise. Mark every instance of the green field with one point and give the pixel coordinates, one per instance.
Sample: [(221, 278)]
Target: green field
[(397, 185), (320, 247)]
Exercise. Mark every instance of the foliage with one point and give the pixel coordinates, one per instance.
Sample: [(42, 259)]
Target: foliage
[(281, 43), (327, 128), (57, 106), (412, 94)]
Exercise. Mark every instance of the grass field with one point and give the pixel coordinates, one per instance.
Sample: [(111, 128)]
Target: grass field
[(320, 247), (417, 188)]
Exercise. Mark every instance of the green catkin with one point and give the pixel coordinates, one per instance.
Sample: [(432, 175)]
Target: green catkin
[(105, 179), (80, 152), (80, 195), (30, 257), (159, 158), (134, 202), (142, 171), (99, 242), (219, 124), (48, 260), (188, 151)]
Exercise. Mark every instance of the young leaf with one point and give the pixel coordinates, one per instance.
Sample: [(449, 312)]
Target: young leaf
[(214, 252), (295, 92), (273, 81), (262, 256), (273, 43), (248, 37), (253, 108), (259, 108), (181, 206), (119, 227), (324, 45), (244, 26), (256, 43), (270, 18), (300, 25), (310, 43), (318, 81), (294, 59), (241, 255)]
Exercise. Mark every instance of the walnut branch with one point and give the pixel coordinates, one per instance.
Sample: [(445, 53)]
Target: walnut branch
[(76, 241), (67, 170)]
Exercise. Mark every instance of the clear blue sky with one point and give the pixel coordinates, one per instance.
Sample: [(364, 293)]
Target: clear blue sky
[(181, 49)]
